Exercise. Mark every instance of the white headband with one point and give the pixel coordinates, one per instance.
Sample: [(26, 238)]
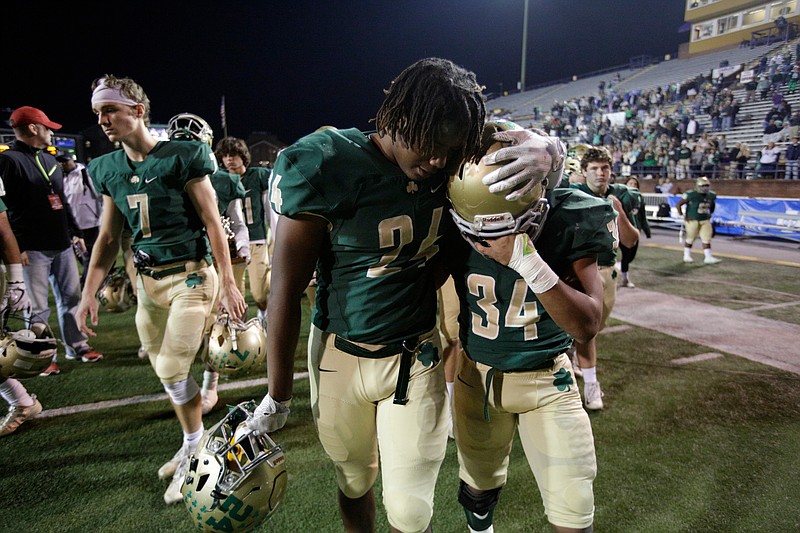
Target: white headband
[(104, 94)]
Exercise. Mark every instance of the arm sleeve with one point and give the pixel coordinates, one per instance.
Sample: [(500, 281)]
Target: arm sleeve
[(235, 213)]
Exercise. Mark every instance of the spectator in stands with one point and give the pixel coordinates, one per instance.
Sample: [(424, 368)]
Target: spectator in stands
[(85, 203), (683, 168), (794, 125), (692, 127), (44, 227), (792, 156), (750, 91), (769, 160), (763, 87), (741, 155)]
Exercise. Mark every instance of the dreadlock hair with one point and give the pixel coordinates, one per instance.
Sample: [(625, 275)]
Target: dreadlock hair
[(128, 88), (233, 146), (595, 154), (429, 96)]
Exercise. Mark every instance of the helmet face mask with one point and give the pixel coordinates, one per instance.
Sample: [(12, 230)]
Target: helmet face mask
[(189, 127), (236, 479), (235, 347), (480, 214), (702, 184), (28, 351)]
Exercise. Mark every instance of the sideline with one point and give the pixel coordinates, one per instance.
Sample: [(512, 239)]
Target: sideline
[(698, 251), (74, 409), (765, 341)]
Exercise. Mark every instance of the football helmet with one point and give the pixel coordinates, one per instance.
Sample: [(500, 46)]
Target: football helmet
[(701, 183), (234, 346), (116, 293), (236, 479), (27, 352), (189, 127), (578, 150), (572, 165), (480, 214)]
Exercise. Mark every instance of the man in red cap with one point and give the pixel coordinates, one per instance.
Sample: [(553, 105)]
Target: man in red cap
[(44, 227)]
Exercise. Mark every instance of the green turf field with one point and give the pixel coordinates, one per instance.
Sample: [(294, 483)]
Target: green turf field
[(709, 447)]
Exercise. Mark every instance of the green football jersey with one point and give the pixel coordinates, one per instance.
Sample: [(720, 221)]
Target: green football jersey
[(152, 197), (502, 323), (3, 207), (228, 188), (256, 182), (374, 279), (700, 205), (631, 202)]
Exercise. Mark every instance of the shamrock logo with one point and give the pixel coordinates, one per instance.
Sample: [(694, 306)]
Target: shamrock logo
[(428, 354), (562, 379), (193, 280)]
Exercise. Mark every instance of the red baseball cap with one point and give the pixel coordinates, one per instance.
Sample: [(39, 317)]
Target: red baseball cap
[(30, 115)]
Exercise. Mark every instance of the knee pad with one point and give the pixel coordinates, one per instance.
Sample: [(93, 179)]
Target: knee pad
[(170, 368), (408, 512), (479, 509), (182, 392)]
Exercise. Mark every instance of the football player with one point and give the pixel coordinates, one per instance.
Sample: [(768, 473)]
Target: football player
[(21, 405), (235, 156), (230, 195), (368, 210), (162, 189), (700, 204), (596, 167), (528, 283)]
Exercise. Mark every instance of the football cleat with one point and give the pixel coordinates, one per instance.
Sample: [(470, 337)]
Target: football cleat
[(17, 415), (711, 260), (593, 396), (235, 347), (480, 214), (236, 479)]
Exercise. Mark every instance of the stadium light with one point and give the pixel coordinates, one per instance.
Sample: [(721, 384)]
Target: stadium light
[(524, 48)]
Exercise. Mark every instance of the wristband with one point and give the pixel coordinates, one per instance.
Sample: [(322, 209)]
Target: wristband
[(530, 265), (14, 273)]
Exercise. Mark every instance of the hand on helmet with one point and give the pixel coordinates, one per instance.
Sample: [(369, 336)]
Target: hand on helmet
[(531, 158), (269, 416)]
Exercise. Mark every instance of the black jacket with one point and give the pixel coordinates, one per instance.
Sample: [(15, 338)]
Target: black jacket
[(29, 196)]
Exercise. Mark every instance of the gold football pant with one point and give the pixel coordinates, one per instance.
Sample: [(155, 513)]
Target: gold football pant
[(545, 407), (358, 424), (171, 317)]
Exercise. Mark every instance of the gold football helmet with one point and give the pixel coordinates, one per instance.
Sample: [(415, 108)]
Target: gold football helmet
[(480, 214), (116, 294), (189, 127), (234, 346), (236, 479), (702, 184), (578, 150), (27, 352)]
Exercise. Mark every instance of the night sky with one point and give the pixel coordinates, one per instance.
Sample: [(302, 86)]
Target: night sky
[(289, 67)]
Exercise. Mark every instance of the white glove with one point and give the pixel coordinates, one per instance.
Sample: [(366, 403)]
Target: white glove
[(17, 293), (532, 157), (244, 253), (269, 416)]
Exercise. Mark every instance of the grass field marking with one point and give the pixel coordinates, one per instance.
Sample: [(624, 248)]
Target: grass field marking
[(696, 358), (111, 404), (617, 329), (765, 307), (680, 248), (759, 339)]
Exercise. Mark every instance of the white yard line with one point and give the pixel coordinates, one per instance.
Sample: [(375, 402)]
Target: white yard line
[(109, 404)]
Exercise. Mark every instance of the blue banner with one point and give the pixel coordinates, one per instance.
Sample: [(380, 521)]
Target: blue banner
[(755, 217)]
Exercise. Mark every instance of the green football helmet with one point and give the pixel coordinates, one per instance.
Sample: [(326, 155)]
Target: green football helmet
[(480, 214), (189, 127), (26, 352), (236, 479), (235, 347)]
